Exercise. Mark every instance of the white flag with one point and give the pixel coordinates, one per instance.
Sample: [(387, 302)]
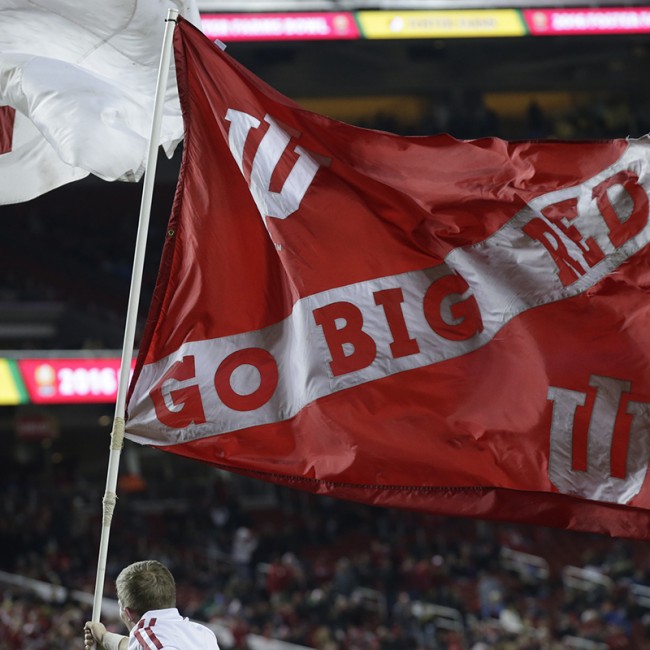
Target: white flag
[(82, 78)]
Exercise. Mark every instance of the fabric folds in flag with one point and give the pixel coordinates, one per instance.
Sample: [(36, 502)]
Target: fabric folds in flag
[(457, 327), (81, 79)]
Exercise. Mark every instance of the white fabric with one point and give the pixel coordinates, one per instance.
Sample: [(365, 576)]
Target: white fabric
[(166, 628), (84, 74), (32, 167)]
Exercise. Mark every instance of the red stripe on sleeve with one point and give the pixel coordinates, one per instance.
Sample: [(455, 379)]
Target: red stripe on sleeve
[(7, 117)]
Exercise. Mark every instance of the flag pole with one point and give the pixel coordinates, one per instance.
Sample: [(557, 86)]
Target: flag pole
[(117, 433)]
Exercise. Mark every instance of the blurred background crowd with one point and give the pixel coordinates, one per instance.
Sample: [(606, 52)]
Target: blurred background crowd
[(269, 563)]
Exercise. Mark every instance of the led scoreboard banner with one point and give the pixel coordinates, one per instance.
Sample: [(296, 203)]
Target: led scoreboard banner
[(280, 26), (567, 22), (12, 387), (444, 23), (59, 380)]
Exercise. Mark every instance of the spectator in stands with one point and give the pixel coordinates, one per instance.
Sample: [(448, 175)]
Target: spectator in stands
[(146, 594), (243, 547), (490, 593), (345, 577), (536, 127)]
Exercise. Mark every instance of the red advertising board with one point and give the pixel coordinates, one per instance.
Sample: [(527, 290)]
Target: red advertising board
[(70, 381), (621, 20), (280, 26)]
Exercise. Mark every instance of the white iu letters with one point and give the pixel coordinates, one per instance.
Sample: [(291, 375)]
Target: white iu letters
[(271, 204), (597, 482)]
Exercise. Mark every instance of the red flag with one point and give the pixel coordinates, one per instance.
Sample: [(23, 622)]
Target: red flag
[(459, 327)]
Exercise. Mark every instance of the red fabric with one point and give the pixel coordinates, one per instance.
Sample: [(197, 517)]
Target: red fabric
[(468, 435), (7, 116)]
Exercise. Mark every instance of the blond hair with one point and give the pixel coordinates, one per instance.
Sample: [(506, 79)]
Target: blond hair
[(145, 586)]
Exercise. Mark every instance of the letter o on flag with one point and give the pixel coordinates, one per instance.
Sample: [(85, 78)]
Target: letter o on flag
[(267, 367)]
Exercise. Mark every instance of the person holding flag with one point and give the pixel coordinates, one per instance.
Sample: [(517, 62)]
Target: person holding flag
[(146, 593)]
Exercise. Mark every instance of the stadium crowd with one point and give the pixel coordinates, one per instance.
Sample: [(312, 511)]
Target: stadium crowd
[(312, 571), (324, 574)]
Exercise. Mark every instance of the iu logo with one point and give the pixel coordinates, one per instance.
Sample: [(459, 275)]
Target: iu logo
[(615, 437), (269, 152)]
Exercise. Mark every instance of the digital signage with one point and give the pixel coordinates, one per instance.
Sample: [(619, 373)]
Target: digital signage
[(567, 22), (441, 24), (12, 388), (70, 381), (438, 23), (280, 26)]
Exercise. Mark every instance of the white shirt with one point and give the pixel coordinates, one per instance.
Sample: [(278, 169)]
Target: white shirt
[(166, 628)]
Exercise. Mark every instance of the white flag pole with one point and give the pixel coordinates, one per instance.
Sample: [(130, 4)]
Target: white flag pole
[(117, 434)]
